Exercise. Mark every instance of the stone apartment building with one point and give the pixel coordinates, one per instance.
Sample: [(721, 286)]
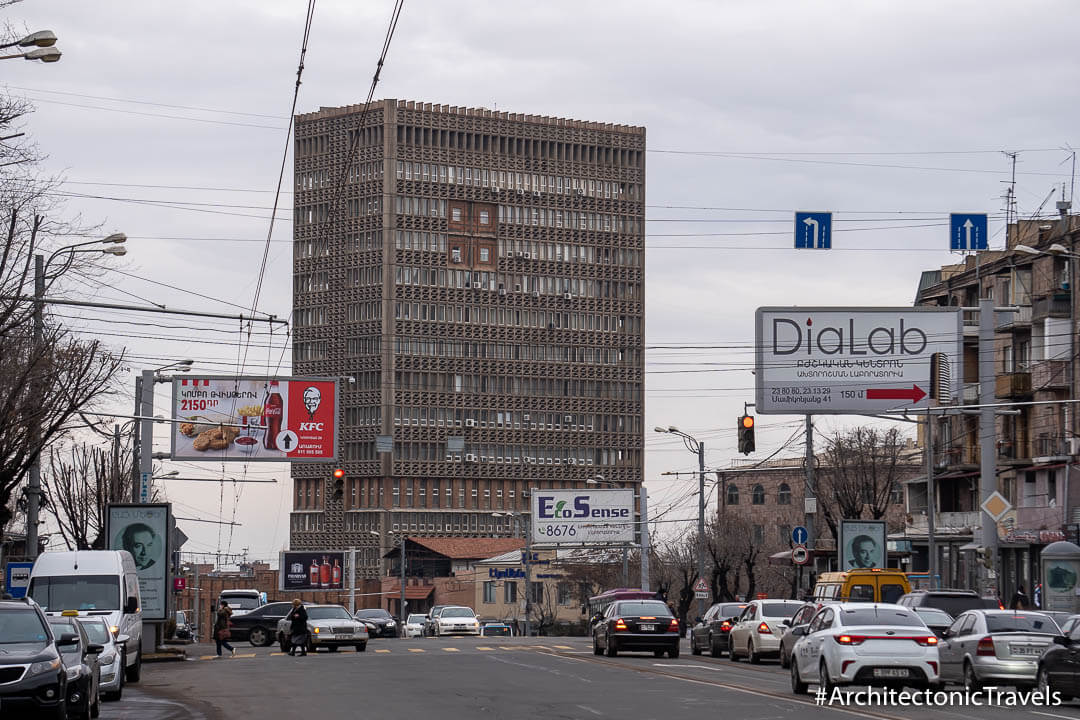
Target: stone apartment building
[(476, 285), (1037, 445)]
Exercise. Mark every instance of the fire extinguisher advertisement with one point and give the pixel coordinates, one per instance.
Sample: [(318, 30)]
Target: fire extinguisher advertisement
[(311, 570), (252, 419)]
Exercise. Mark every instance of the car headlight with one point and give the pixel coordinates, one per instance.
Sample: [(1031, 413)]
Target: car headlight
[(316, 631), (44, 666), (390, 623), (73, 673), (107, 659)]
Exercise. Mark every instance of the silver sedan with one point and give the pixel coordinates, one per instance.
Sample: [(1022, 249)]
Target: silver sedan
[(1000, 647), (111, 659)]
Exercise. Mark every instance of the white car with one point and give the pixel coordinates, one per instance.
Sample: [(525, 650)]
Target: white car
[(111, 659), (414, 625), (457, 620), (758, 629), (328, 626), (865, 644)]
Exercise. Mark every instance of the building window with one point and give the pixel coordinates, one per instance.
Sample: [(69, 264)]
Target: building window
[(455, 214), (485, 255), (783, 495), (509, 592), (785, 534), (537, 593), (732, 495), (565, 593), (759, 495), (489, 591), (759, 534), (485, 217)]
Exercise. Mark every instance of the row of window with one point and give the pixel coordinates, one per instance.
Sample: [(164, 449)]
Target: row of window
[(518, 283), (357, 312), (363, 416), (309, 351), (514, 317), (356, 207), (563, 252), (516, 351), (511, 181), (569, 219), (328, 178), (514, 454), (318, 144), (355, 346), (564, 592), (758, 496), (425, 416)]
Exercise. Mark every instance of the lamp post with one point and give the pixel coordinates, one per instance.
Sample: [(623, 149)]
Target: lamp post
[(143, 444), (521, 520), (599, 480), (42, 41), (41, 276), (695, 446)]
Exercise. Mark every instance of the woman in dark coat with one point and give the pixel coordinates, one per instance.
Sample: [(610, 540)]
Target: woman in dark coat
[(298, 628)]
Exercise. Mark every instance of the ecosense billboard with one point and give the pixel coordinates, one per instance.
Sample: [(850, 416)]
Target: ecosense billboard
[(855, 360), (583, 517)]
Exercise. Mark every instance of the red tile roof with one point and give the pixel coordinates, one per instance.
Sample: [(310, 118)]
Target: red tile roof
[(469, 548)]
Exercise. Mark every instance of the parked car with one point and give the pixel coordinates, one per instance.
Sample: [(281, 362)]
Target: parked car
[(799, 620), (241, 601), (1001, 647), (111, 658), (183, 629), (328, 626), (496, 630), (457, 620), (1059, 667), (414, 625), (259, 626), (636, 625), (80, 658), (937, 620), (33, 678), (953, 602), (865, 644), (429, 624), (757, 631), (384, 624), (711, 632)]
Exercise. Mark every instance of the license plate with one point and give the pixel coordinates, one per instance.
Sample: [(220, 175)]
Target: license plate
[(890, 672), (1026, 650), (648, 628), (343, 637)]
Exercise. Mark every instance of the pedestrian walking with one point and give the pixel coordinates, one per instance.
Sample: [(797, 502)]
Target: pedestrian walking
[(1019, 599), (298, 628), (221, 629)]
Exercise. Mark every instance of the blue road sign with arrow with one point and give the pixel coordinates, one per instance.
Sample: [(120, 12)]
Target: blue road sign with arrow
[(968, 231), (799, 535), (813, 230)]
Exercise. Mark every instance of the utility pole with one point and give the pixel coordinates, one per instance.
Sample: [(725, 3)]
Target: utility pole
[(352, 580), (401, 611), (987, 436), (528, 570), (931, 502), (33, 486), (145, 393), (136, 440), (645, 545), (810, 502), (626, 566), (198, 608), (701, 521)]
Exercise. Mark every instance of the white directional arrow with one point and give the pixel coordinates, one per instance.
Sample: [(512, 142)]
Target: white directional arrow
[(814, 224), (967, 234)]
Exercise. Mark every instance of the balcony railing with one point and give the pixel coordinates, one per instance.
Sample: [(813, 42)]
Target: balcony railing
[(971, 323), (1013, 450), (1051, 446), (1011, 385), (1051, 374), (1009, 320), (971, 393), (1050, 306), (964, 455)]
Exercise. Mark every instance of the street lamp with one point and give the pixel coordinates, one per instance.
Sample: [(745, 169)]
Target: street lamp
[(47, 55), (41, 38), (521, 520), (695, 446)]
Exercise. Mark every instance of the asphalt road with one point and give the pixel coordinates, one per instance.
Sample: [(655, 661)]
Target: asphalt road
[(466, 678)]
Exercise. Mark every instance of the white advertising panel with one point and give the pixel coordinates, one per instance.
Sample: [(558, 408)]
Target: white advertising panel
[(582, 517), (862, 544), (142, 530), (856, 360)]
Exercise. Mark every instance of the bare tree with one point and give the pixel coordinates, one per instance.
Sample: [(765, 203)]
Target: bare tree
[(677, 572), (860, 471), (79, 484)]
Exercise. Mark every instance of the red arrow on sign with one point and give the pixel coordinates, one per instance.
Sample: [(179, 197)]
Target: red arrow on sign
[(914, 395)]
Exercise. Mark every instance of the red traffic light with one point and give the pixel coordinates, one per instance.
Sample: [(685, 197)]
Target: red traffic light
[(747, 421), (339, 473)]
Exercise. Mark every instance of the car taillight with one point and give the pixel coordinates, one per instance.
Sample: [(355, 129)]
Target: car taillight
[(849, 639), (927, 641), (763, 629), (674, 626), (725, 625), (985, 646), (620, 624)]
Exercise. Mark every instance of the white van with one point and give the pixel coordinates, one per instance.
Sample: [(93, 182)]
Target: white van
[(242, 601), (99, 583)]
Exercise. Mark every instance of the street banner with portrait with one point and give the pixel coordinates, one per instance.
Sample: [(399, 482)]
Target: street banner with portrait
[(311, 570), (143, 530), (862, 544), (254, 419)]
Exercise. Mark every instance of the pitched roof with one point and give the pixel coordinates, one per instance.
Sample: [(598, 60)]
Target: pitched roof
[(469, 548)]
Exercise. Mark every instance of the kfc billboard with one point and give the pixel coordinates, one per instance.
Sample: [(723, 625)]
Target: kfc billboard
[(254, 419)]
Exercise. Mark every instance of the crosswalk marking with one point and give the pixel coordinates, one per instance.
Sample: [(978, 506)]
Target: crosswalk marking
[(482, 647), (417, 650), (382, 651), (208, 657), (246, 655), (563, 647), (277, 654), (451, 650)]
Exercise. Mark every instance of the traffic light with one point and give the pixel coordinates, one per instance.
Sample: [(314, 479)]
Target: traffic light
[(339, 484), (746, 434)]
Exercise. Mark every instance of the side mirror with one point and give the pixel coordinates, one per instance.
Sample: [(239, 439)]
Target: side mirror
[(94, 649), (131, 606), (123, 639), (798, 631), (1062, 640), (786, 622), (944, 633), (699, 620), (67, 639)]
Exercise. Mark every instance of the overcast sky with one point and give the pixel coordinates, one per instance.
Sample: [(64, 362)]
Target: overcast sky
[(169, 122)]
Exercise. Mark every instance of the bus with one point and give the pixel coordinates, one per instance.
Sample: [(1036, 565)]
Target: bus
[(600, 603)]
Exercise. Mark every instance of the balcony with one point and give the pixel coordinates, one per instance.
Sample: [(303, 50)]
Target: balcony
[(971, 393), (1051, 374), (1051, 446), (967, 454), (971, 323), (1014, 450), (945, 523), (1006, 321), (1012, 385), (1050, 306)]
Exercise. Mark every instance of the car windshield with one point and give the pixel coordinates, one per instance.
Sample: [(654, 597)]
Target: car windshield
[(62, 625), (417, 619), (933, 615), (97, 631), (1021, 622), (79, 592), (637, 608), (328, 613), (780, 609), (373, 614), (181, 618), (954, 604), (458, 613), (880, 616), (732, 610), (21, 626), (239, 602)]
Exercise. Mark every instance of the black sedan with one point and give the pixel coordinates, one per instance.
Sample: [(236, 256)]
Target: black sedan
[(1059, 667), (80, 658), (636, 625), (260, 625), (380, 622), (711, 632)]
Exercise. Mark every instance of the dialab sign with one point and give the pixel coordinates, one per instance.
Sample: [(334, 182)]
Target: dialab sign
[(254, 419)]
